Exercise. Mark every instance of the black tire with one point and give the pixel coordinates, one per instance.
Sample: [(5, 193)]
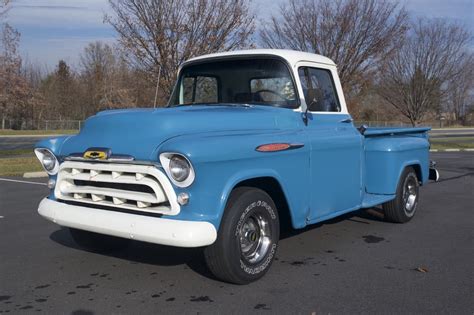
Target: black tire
[(248, 237), (403, 208), (98, 242)]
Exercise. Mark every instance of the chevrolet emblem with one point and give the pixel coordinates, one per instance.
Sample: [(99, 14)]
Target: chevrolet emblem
[(96, 155)]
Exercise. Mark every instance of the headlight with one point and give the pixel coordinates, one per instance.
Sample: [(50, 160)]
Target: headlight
[(178, 168), (48, 160)]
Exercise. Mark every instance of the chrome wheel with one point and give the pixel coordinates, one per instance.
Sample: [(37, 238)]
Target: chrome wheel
[(410, 194), (254, 238)]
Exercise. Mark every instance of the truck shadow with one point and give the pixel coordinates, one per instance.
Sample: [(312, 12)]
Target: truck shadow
[(193, 258), (362, 216), (146, 253)]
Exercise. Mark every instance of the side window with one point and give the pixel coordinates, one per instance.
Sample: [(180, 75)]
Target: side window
[(199, 89), (319, 90)]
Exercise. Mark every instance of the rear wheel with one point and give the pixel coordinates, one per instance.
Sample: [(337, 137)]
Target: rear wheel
[(248, 237), (402, 209), (98, 242)]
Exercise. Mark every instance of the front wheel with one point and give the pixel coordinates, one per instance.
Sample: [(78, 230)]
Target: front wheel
[(248, 237), (402, 209)]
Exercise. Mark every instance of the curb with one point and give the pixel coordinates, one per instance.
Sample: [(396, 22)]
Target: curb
[(35, 175), (452, 150)]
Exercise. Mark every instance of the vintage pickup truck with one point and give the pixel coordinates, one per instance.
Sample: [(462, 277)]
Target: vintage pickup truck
[(249, 140)]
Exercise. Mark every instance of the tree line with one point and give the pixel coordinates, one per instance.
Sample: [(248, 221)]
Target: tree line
[(391, 65)]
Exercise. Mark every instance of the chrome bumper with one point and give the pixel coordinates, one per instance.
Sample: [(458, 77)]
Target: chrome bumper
[(138, 227), (434, 174)]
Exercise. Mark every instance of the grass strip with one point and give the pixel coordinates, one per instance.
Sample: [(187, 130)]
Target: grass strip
[(16, 152), (9, 132), (19, 166)]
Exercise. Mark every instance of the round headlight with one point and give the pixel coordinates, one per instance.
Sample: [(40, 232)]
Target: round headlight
[(48, 160), (179, 168)]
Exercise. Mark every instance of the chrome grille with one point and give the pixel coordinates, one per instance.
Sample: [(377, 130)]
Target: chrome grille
[(126, 186)]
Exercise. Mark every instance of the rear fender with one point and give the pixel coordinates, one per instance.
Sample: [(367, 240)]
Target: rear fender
[(387, 157)]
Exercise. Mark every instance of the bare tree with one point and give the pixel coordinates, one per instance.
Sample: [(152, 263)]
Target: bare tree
[(14, 91), (98, 63), (108, 82), (353, 33), (61, 94), (4, 7), (414, 78), (162, 34), (460, 91)]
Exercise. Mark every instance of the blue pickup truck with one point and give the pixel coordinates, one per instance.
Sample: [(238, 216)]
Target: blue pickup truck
[(250, 140)]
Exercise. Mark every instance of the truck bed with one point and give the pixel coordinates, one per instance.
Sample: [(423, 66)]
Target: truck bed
[(374, 132)]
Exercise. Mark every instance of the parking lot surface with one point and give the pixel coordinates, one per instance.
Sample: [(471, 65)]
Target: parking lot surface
[(354, 264)]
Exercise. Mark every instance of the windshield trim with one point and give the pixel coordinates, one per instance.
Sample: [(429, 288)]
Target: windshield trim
[(234, 57)]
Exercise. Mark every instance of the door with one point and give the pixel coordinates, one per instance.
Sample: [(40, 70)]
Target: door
[(336, 145)]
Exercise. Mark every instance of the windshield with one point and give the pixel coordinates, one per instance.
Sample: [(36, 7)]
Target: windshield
[(262, 81)]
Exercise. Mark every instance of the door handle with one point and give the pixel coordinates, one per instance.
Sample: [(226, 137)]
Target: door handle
[(346, 121)]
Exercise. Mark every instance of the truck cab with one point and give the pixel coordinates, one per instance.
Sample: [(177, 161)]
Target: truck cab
[(249, 141)]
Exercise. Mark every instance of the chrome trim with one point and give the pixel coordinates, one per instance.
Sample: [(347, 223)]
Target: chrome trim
[(39, 154), (254, 238), (99, 186), (433, 172), (124, 159), (347, 120), (165, 159)]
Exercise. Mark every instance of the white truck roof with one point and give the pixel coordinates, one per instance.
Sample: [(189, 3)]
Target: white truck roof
[(292, 56)]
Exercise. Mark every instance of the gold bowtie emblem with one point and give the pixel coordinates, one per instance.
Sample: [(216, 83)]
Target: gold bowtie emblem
[(95, 155)]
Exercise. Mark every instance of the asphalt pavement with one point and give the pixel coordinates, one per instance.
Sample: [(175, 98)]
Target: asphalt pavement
[(354, 264), (16, 143)]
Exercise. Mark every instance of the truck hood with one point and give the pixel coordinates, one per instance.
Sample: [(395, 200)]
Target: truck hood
[(139, 132)]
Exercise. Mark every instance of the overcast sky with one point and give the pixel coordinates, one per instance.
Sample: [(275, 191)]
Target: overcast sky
[(59, 29)]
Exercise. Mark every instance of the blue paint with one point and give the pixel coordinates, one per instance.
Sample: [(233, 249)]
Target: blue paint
[(336, 171)]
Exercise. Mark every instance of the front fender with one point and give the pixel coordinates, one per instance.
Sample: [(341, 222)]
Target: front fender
[(53, 144), (222, 161)]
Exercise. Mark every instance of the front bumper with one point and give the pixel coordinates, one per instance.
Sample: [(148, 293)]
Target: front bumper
[(138, 227)]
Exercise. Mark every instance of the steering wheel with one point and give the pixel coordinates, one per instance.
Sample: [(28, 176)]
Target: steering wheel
[(287, 101)]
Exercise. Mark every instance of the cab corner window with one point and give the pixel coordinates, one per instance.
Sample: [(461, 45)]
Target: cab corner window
[(319, 90)]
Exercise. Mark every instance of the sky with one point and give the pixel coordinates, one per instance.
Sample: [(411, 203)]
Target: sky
[(60, 29)]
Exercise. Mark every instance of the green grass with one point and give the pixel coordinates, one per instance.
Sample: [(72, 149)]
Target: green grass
[(9, 132), (450, 127), (452, 143), (16, 152), (19, 166), (443, 146)]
